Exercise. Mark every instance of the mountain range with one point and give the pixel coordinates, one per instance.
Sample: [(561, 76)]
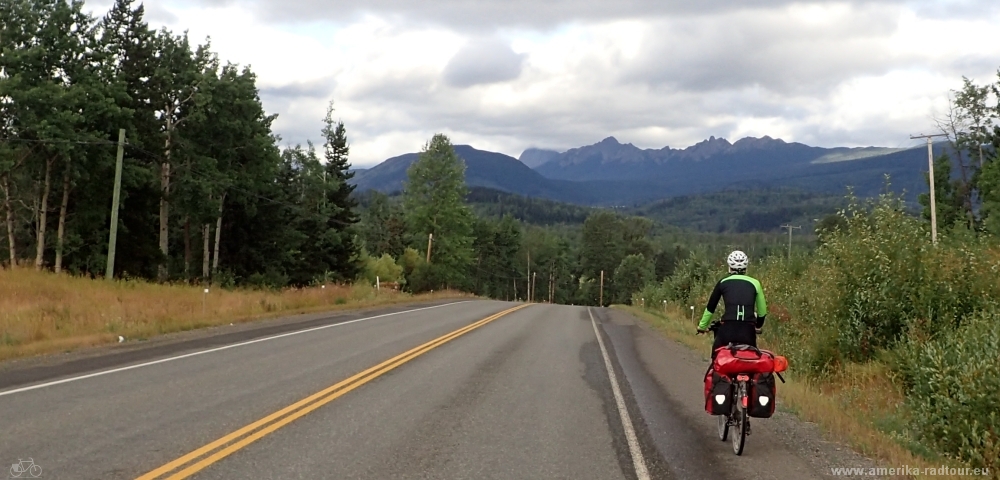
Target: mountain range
[(612, 173)]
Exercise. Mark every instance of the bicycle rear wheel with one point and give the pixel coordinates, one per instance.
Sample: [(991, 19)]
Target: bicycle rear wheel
[(723, 427), (740, 425)]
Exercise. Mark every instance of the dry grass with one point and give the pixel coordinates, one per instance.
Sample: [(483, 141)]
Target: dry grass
[(847, 407), (42, 312)]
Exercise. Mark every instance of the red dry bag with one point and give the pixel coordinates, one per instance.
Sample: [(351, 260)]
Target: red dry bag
[(742, 359)]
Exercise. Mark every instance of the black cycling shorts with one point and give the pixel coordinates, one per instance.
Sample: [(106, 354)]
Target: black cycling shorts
[(737, 331)]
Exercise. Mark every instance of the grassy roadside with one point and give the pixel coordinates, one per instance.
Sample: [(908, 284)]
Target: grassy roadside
[(42, 312), (856, 408)]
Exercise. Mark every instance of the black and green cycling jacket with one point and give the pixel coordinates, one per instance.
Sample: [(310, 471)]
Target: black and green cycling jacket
[(742, 295)]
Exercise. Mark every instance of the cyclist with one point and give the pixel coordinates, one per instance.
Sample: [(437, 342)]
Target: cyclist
[(745, 306)]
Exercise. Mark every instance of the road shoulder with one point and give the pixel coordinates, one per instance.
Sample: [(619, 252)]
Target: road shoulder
[(780, 447)]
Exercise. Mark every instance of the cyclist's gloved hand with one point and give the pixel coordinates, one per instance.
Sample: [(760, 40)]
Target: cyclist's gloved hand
[(702, 331)]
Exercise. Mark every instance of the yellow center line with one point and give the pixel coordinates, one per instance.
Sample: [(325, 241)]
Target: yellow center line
[(304, 406)]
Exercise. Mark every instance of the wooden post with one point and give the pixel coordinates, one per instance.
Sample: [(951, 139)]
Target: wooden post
[(430, 239), (601, 302), (534, 282), (529, 277), (109, 272)]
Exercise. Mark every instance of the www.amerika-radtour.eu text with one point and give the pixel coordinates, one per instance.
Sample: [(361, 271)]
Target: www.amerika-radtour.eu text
[(910, 471)]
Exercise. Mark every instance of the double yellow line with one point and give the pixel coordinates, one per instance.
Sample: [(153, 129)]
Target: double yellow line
[(205, 456)]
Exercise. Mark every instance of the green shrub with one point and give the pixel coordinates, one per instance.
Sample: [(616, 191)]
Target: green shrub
[(953, 390)]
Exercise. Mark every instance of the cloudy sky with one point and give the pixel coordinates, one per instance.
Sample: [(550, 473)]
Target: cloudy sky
[(505, 75)]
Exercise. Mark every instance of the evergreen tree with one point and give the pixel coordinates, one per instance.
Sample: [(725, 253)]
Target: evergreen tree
[(989, 192), (340, 206), (602, 247), (383, 227), (433, 201)]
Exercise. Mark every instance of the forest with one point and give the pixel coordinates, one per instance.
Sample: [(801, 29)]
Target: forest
[(207, 195)]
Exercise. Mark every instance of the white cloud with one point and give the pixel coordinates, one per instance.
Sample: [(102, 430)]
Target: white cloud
[(505, 75)]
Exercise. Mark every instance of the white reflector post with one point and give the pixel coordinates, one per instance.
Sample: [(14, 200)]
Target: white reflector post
[(720, 399), (764, 400)]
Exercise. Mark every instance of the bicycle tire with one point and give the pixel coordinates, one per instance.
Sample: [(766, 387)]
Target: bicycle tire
[(723, 427), (35, 471), (740, 432)]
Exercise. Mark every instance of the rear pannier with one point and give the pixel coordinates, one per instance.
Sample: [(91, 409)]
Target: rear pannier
[(762, 395), (718, 393)]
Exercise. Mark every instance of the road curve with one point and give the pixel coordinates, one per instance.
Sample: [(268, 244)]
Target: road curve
[(477, 389)]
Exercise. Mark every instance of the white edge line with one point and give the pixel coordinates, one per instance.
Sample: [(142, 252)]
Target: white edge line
[(633, 442), (217, 349)]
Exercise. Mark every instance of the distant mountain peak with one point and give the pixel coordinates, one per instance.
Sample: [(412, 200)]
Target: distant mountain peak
[(707, 148), (762, 142), (534, 157), (609, 141)]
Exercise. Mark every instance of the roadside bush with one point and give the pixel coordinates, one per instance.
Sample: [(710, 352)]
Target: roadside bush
[(953, 390), (875, 282), (383, 269)]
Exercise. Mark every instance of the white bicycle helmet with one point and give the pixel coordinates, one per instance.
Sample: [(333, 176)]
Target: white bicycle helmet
[(737, 260)]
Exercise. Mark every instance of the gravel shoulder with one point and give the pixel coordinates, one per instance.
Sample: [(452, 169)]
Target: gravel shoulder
[(666, 380)]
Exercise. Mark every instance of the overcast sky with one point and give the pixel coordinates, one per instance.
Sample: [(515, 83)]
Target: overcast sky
[(505, 75)]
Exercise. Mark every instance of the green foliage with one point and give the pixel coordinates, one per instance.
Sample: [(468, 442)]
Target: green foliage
[(953, 387), (632, 274), (200, 156), (989, 188), (947, 199), (878, 290), (433, 204), (536, 211), (741, 211), (382, 269), (496, 248), (383, 227)]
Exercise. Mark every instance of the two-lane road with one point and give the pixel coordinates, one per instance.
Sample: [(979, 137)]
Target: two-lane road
[(466, 390)]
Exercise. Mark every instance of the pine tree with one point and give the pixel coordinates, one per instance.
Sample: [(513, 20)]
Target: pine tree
[(340, 205)]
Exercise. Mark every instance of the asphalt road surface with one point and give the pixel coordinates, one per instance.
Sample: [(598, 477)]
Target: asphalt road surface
[(466, 390)]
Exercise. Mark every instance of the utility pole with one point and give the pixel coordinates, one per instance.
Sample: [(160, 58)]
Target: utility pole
[(430, 239), (534, 282), (109, 273), (529, 277), (790, 228), (601, 301), (930, 178)]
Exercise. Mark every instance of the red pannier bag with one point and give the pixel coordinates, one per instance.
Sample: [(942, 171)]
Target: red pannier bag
[(718, 393), (742, 359)]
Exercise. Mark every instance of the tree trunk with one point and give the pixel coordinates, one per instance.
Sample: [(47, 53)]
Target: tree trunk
[(43, 214), (164, 203), (218, 236), (187, 247), (63, 207), (206, 234), (10, 221)]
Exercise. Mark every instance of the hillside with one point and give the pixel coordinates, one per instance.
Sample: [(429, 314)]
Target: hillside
[(729, 211), (742, 211), (610, 173), (505, 173)]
